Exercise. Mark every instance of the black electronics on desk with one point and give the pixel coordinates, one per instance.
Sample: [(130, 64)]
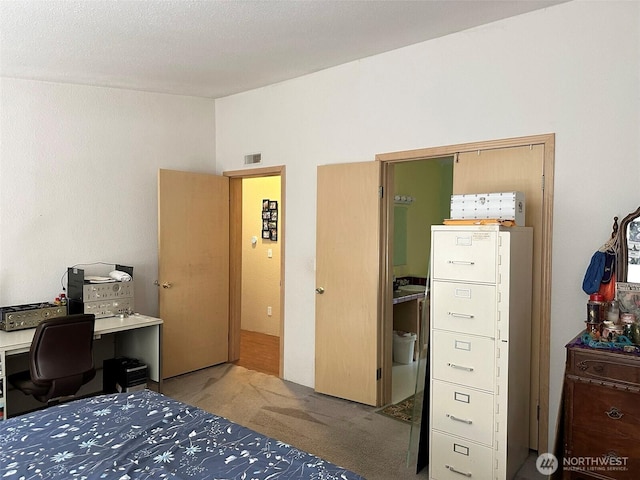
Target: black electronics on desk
[(19, 317), (101, 296), (123, 375)]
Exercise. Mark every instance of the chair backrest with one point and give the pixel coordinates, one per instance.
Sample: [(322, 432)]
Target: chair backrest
[(61, 354)]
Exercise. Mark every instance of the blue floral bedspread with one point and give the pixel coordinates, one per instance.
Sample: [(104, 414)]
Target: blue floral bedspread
[(145, 435)]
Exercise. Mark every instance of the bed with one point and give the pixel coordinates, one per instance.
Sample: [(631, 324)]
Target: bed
[(146, 435)]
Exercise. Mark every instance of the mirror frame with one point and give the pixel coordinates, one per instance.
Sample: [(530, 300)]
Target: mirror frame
[(623, 252)]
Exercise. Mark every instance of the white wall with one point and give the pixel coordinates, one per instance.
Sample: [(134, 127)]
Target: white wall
[(78, 180), (572, 70)]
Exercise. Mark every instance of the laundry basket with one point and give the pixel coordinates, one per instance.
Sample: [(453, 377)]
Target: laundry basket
[(403, 345)]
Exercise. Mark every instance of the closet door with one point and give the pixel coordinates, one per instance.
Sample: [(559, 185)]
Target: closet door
[(348, 319), (508, 170)]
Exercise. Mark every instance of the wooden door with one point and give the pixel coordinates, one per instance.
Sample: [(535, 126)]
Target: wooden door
[(348, 320), (193, 270), (508, 170)]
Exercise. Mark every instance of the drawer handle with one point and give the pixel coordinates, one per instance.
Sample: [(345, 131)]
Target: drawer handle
[(460, 315), (584, 365), (462, 420), (460, 262), (460, 367), (614, 413), (466, 474)]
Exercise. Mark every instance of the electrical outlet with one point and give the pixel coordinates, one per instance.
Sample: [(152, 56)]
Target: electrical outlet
[(269, 311)]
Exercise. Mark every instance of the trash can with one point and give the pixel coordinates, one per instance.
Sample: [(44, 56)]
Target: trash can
[(403, 345)]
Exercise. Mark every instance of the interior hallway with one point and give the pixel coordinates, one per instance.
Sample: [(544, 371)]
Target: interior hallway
[(259, 352)]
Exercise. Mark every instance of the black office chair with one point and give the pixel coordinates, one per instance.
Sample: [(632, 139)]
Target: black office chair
[(60, 358)]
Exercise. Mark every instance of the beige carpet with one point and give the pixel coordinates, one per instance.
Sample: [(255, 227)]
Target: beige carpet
[(351, 435), (348, 434)]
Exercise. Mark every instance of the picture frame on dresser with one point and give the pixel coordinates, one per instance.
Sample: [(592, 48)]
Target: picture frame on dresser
[(628, 295)]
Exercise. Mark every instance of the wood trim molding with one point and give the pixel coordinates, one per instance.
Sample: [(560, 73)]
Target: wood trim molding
[(235, 253), (545, 325), (235, 267), (255, 172), (448, 150)]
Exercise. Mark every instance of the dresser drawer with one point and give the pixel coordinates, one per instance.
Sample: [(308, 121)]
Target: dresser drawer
[(465, 255), (462, 411), (455, 459), (463, 359), (607, 412), (463, 307), (602, 457), (605, 366)]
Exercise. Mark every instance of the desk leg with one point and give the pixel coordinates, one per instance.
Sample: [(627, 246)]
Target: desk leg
[(3, 386), (145, 345)]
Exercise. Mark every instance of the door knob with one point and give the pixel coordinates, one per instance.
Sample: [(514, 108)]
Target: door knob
[(320, 290), (166, 285)]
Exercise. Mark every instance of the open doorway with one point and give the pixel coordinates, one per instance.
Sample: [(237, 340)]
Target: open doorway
[(517, 164), (256, 269), (421, 192), (260, 290)]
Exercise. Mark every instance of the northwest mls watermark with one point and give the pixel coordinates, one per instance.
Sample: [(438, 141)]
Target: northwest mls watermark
[(548, 463)]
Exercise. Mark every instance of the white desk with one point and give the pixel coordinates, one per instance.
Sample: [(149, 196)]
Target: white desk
[(137, 336)]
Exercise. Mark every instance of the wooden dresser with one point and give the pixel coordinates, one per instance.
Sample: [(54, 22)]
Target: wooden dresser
[(601, 414)]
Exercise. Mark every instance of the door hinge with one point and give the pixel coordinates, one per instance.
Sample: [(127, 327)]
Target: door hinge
[(379, 374), (538, 412), (543, 183), (381, 192)]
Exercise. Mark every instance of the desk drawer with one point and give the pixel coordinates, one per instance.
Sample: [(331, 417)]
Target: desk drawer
[(465, 308), (456, 459), (463, 359), (463, 412)]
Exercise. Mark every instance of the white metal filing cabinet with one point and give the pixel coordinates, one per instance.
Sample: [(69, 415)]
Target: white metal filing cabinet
[(480, 351)]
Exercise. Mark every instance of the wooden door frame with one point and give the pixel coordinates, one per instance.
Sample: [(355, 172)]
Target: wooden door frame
[(235, 254), (548, 141)]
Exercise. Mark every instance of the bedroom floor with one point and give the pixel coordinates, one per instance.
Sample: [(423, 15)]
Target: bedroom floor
[(259, 352), (352, 435)]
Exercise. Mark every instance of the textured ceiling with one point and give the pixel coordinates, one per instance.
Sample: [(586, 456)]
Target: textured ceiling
[(214, 48)]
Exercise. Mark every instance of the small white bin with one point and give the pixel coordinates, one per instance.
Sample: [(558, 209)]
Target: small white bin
[(403, 345)]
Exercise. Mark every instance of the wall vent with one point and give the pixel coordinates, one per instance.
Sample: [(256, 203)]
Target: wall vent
[(253, 158)]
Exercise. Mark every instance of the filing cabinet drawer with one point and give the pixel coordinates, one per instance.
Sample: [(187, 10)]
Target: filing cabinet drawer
[(455, 459), (468, 256), (465, 308), (464, 412), (463, 359)]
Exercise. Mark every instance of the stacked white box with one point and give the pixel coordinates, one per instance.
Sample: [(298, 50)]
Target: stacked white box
[(501, 206)]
